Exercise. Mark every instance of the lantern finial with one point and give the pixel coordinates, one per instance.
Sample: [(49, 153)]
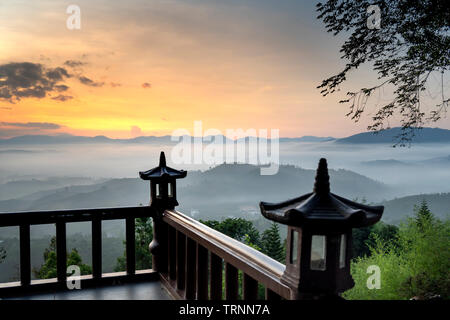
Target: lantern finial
[(322, 183), (162, 159)]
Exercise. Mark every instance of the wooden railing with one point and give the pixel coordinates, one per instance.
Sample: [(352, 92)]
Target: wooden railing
[(191, 258), (60, 218)]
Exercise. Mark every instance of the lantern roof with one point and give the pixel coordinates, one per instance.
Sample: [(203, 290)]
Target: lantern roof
[(162, 171), (321, 208)]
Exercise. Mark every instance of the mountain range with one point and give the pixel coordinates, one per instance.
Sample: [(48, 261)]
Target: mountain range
[(218, 191), (424, 135)]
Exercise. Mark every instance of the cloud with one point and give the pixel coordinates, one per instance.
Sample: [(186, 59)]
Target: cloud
[(136, 131), (62, 98), (61, 88), (88, 82), (74, 63), (30, 80), (115, 84), (146, 85), (57, 74), (32, 125), (20, 80)]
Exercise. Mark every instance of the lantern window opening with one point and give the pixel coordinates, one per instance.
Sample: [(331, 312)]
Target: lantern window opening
[(294, 247), (342, 251), (318, 252), (157, 190), (170, 190)]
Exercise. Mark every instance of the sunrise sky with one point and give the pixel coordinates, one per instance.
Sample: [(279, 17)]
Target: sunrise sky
[(150, 67)]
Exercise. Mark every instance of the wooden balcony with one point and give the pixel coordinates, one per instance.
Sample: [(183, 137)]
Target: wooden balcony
[(190, 260)]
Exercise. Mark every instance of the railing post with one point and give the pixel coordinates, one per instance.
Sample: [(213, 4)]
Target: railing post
[(96, 247), (25, 261), (172, 239), (181, 260), (216, 277), (202, 272), (61, 252), (130, 245), (190, 268), (158, 247), (250, 288), (231, 282)]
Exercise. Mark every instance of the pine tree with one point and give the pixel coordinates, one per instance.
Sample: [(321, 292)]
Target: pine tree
[(423, 215), (48, 269), (271, 243)]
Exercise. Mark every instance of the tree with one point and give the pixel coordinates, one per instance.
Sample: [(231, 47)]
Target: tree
[(422, 214), (236, 228), (412, 43), (143, 237), (271, 243), (49, 270), (365, 238), (417, 264)]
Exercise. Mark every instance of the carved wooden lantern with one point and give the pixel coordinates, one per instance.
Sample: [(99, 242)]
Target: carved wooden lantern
[(163, 195), (163, 191), (319, 239)]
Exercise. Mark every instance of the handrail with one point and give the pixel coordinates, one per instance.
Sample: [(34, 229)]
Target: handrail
[(193, 241), (254, 263), (73, 215)]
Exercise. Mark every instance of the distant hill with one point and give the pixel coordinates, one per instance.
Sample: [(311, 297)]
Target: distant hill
[(440, 161), (66, 139), (425, 135), (219, 191), (20, 188), (307, 139), (386, 163), (397, 209)]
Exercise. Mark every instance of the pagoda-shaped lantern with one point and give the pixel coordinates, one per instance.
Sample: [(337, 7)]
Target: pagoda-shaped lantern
[(163, 191), (319, 239)]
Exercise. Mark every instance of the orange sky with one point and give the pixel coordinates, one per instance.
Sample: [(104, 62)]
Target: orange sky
[(231, 64)]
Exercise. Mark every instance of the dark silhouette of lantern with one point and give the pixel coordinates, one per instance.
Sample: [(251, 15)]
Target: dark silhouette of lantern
[(319, 239), (163, 191)]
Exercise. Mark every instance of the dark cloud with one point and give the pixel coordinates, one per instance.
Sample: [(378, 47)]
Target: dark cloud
[(86, 81), (74, 63), (30, 80), (61, 88), (33, 125), (115, 84), (146, 85), (57, 74), (62, 98)]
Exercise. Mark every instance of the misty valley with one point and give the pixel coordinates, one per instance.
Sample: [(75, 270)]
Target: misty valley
[(69, 175)]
